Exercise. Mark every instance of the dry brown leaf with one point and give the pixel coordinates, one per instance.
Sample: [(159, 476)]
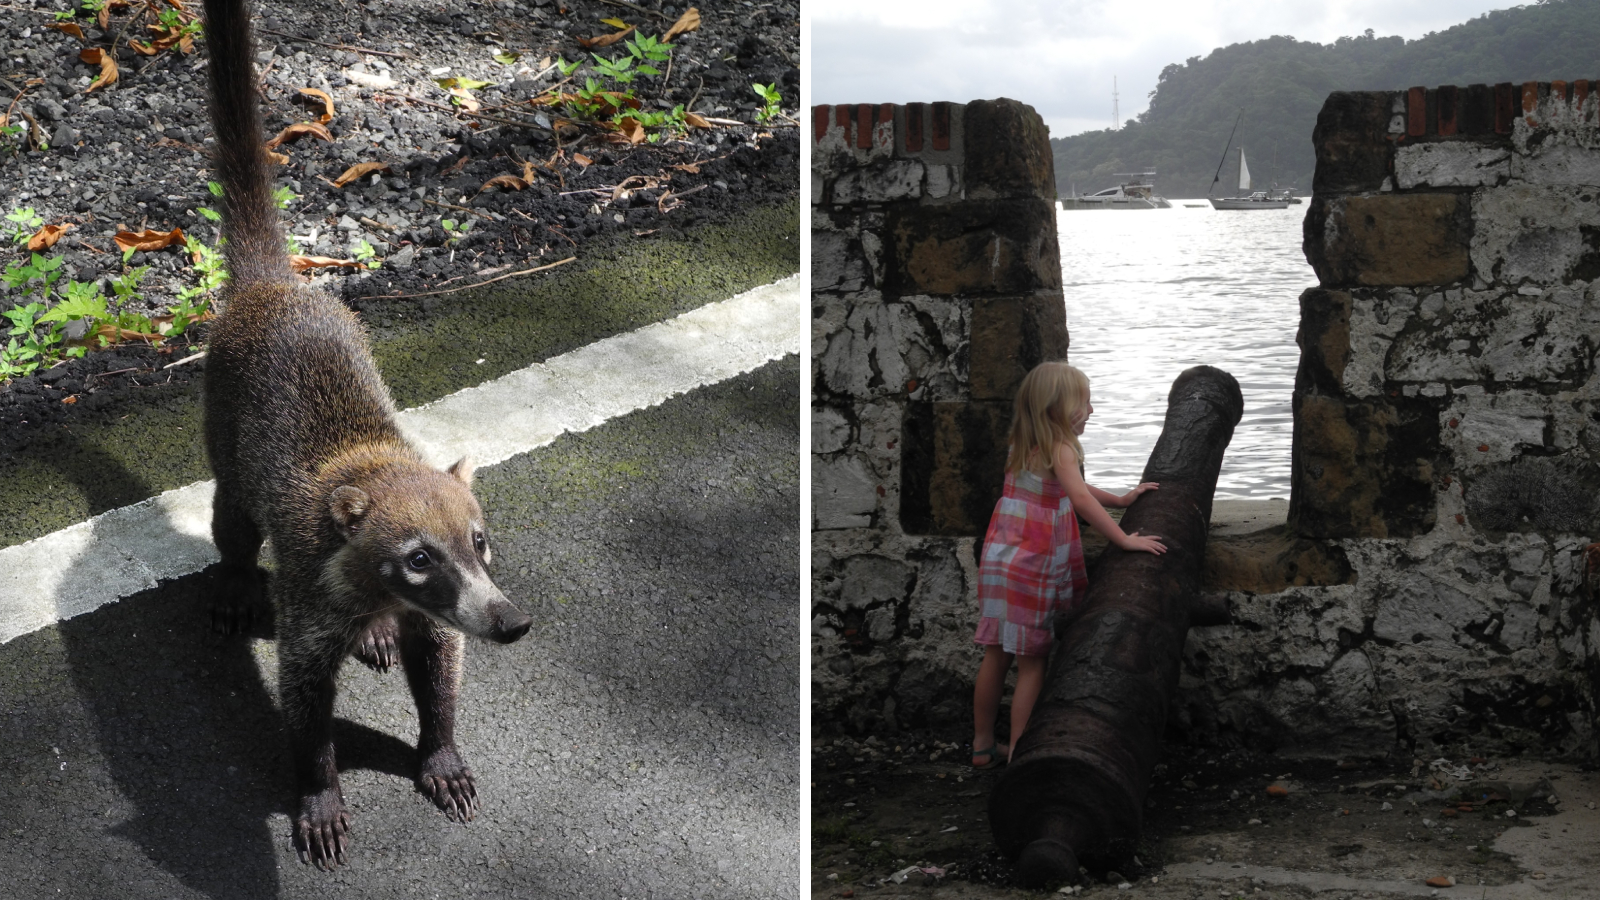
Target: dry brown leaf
[(297, 131), (46, 237), (359, 170), (507, 182), (327, 103), (70, 400), (281, 159), (511, 182), (689, 21), (302, 263), (94, 56), (186, 43), (149, 239), (68, 28), (631, 129), (604, 40), (465, 100), (694, 121), (113, 334), (582, 160)]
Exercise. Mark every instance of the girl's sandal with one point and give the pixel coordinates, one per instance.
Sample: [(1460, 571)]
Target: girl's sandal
[(991, 757)]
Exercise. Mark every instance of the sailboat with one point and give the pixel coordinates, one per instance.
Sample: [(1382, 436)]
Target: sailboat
[(1249, 199)]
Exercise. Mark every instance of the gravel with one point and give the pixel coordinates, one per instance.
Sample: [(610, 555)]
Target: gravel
[(134, 154)]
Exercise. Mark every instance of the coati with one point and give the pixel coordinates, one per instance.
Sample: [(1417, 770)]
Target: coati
[(377, 553)]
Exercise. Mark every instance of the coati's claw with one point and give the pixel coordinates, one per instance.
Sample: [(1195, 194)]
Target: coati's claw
[(379, 647), (322, 830), (449, 783), (238, 593)]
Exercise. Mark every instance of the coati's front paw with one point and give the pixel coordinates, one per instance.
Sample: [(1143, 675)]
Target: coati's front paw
[(379, 645), (322, 829), (239, 596), (447, 780)]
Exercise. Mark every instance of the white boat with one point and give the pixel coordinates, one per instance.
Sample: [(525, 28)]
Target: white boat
[(1137, 194), (1249, 199)]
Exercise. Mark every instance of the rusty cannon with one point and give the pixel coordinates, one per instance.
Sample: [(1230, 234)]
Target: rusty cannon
[(1078, 777)]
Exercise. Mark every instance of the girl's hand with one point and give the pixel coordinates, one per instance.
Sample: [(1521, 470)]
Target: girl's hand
[(1128, 498), (1134, 542)]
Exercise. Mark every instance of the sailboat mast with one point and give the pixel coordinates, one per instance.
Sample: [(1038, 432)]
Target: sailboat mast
[(1224, 160)]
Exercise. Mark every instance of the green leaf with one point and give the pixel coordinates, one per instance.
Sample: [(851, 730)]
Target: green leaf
[(506, 57), (466, 84), (83, 301), (216, 189)]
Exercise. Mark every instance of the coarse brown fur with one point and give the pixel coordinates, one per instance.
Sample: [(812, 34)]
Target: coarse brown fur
[(376, 552)]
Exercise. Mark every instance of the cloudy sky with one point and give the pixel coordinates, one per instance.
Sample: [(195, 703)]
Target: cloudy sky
[(1060, 55)]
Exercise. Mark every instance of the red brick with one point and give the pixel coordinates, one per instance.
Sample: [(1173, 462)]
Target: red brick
[(864, 113), (819, 122), (841, 115), (1416, 112), (1530, 96), (1560, 89), (913, 142), (1580, 93), (1449, 99), (1477, 113), (1505, 106), (941, 126)]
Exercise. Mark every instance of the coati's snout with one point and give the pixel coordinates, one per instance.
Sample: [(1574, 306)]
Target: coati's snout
[(420, 533)]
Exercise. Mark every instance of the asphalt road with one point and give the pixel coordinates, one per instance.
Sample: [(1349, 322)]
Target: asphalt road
[(641, 742)]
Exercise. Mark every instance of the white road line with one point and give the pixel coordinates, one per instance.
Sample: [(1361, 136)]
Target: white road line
[(124, 551)]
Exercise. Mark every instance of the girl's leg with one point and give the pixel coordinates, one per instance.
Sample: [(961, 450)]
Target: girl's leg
[(1030, 681), (986, 697)]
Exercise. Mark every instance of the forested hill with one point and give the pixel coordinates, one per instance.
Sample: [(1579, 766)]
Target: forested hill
[(1280, 84)]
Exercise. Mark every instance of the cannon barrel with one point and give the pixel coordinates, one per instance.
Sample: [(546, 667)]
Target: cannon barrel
[(1079, 773)]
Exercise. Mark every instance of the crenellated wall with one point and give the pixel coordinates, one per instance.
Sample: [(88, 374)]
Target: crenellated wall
[(936, 285), (1431, 590), (1446, 430)]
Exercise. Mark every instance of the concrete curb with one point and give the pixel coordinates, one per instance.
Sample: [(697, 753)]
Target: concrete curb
[(127, 550)]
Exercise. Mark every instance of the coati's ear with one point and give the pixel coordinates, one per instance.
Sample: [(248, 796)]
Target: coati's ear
[(349, 506), (462, 470)]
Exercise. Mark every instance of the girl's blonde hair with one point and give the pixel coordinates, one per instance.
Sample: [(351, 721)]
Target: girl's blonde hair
[(1050, 399)]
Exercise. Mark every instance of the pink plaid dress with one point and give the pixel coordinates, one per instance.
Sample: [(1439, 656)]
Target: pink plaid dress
[(1032, 566)]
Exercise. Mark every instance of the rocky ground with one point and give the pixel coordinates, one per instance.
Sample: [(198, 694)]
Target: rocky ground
[(906, 814), (133, 154)]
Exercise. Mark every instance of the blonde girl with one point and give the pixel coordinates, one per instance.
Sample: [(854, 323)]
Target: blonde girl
[(1032, 568)]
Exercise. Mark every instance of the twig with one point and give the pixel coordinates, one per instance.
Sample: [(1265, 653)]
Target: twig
[(109, 374), (376, 224), (132, 17), (468, 287), (461, 208), (459, 111), (689, 107), (30, 83), (187, 359), (306, 40)]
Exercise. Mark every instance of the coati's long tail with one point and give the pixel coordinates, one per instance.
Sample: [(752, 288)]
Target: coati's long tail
[(255, 249)]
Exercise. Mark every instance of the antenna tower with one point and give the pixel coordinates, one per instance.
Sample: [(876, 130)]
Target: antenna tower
[(1116, 117)]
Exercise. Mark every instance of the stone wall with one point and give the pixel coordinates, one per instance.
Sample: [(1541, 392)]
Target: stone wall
[(1431, 590), (1444, 463), (936, 285)]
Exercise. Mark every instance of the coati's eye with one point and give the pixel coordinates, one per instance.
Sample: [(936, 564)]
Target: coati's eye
[(479, 544), (419, 560)]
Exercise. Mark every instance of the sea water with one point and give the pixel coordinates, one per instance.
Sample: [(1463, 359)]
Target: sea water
[(1150, 293)]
